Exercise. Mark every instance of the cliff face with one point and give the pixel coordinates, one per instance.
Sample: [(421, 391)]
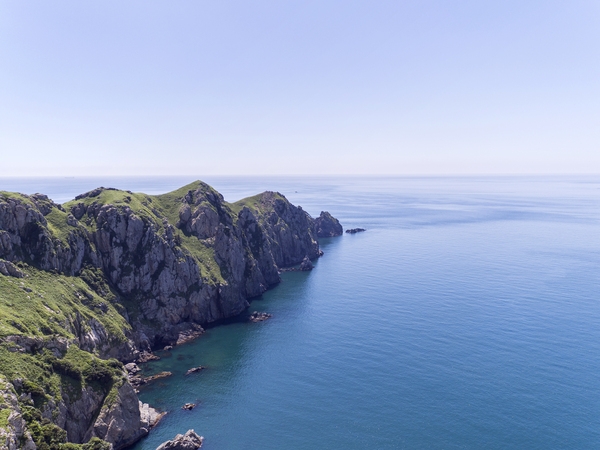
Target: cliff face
[(116, 273)]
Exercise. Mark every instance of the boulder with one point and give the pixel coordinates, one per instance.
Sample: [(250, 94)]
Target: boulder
[(187, 441), (9, 269)]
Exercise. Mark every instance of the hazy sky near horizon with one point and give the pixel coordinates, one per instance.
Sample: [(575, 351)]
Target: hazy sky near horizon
[(299, 87)]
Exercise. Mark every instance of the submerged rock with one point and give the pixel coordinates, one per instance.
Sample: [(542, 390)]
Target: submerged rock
[(147, 356), (137, 380), (259, 316), (195, 370), (187, 441)]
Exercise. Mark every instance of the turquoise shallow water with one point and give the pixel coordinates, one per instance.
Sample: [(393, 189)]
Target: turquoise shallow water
[(467, 316)]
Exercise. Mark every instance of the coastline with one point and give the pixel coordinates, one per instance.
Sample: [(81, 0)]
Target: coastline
[(146, 271)]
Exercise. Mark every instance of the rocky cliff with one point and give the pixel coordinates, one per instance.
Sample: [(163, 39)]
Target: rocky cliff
[(107, 277)]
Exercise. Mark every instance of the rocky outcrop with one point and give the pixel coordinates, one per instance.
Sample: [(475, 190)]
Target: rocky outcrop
[(13, 432), (9, 269), (187, 441), (124, 421), (149, 416), (259, 316), (25, 235), (327, 226)]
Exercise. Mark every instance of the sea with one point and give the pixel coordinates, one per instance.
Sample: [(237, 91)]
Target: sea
[(466, 316)]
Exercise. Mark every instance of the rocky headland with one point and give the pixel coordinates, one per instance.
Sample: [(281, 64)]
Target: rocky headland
[(103, 280)]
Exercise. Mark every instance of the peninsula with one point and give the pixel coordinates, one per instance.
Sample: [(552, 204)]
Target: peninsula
[(101, 281)]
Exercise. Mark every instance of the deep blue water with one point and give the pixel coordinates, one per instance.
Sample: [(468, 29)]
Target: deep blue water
[(466, 317)]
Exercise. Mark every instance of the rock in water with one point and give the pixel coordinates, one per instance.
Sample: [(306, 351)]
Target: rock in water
[(195, 369), (187, 441), (258, 316), (355, 230), (306, 264), (327, 226)]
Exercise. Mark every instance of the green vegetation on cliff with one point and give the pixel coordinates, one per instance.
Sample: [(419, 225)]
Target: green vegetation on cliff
[(43, 304)]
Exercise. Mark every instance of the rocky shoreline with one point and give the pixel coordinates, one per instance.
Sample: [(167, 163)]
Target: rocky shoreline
[(114, 275)]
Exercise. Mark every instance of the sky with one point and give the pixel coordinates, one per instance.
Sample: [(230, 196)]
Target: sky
[(192, 87)]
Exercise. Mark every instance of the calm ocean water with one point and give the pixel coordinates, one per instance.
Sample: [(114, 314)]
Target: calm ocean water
[(466, 317)]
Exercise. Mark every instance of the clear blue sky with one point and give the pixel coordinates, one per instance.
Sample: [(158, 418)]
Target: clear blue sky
[(299, 87)]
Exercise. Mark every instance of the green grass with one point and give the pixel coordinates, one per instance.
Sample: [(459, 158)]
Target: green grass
[(44, 303), (4, 413), (16, 196), (256, 203), (138, 203), (58, 226)]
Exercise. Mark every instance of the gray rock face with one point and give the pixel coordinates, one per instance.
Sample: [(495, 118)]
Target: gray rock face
[(187, 441), (87, 411), (125, 421), (327, 226), (9, 269), (14, 435), (25, 236), (146, 263)]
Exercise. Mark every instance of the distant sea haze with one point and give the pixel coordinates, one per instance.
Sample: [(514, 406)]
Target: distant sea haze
[(467, 316)]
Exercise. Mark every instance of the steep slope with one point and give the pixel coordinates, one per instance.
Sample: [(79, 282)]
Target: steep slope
[(113, 274)]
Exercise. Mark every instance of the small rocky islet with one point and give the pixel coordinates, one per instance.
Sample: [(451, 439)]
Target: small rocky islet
[(355, 230), (90, 288)]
